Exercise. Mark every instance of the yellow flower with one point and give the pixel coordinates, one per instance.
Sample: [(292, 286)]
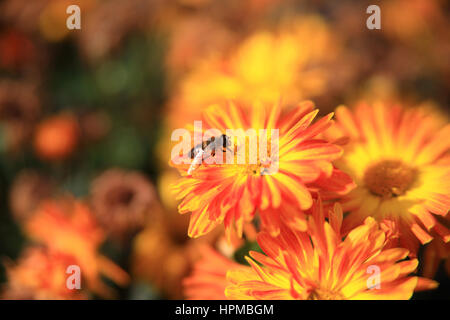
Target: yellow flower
[(399, 159), (289, 62)]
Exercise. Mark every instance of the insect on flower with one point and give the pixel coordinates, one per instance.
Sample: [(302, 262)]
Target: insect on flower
[(200, 152), (258, 179)]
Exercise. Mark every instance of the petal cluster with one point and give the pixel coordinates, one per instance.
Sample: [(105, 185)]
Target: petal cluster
[(234, 193), (399, 159), (319, 264)]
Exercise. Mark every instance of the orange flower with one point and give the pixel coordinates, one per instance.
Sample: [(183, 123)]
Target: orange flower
[(223, 193), (399, 159), (163, 255), (56, 137), (40, 274), (319, 264), (293, 60), (69, 227)]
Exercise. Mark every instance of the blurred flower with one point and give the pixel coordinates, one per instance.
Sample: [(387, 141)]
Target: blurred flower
[(40, 274), (67, 226), (231, 193), (267, 65), (397, 158), (163, 255), (420, 18), (57, 137), (28, 189), (319, 265), (122, 201), (151, 250), (19, 110), (237, 14), (102, 34), (189, 43), (52, 20), (208, 278)]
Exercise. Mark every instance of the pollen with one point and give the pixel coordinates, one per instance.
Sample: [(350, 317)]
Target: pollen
[(250, 169), (389, 178)]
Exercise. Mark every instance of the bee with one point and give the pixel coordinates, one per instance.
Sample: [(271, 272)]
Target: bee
[(212, 144)]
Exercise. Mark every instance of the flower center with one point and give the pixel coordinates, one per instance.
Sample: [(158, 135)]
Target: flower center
[(389, 178), (121, 196)]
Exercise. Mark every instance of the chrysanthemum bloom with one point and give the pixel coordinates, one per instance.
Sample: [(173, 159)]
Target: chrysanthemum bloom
[(57, 137), (40, 274), (232, 193), (122, 201), (320, 265), (292, 61), (162, 253), (399, 160), (67, 226)]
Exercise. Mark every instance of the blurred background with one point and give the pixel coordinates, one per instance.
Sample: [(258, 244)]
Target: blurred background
[(86, 117)]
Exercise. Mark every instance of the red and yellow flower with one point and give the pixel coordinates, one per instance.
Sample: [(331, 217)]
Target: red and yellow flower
[(68, 226), (399, 159), (232, 193), (320, 264), (40, 274), (57, 137)]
